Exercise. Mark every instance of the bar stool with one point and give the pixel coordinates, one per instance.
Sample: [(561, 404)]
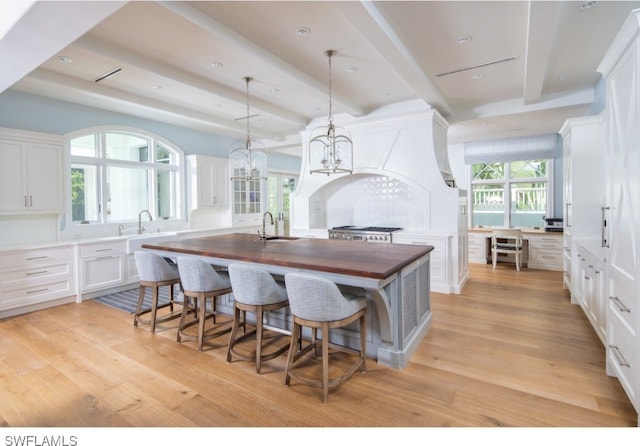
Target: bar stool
[(201, 282), (254, 290), (317, 302), (155, 272)]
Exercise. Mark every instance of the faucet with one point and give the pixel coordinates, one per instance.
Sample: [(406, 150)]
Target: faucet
[(120, 229), (140, 228), (263, 236)]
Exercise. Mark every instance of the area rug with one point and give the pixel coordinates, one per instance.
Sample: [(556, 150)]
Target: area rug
[(128, 300)]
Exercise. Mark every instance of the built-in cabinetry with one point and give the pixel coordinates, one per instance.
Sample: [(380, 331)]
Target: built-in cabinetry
[(440, 280), (32, 279), (102, 265), (589, 288), (621, 70), (208, 180), (543, 250), (584, 188), (31, 172)]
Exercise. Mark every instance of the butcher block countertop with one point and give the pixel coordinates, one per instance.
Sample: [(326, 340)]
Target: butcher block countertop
[(374, 260)]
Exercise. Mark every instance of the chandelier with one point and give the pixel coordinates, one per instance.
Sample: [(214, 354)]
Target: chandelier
[(330, 148), (247, 157)]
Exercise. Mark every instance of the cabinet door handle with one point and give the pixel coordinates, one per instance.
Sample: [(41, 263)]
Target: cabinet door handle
[(30, 201), (37, 258), (26, 202), (618, 303), (43, 290), (37, 273), (604, 243), (619, 357)]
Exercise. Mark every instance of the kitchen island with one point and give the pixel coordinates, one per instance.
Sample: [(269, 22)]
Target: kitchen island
[(395, 279)]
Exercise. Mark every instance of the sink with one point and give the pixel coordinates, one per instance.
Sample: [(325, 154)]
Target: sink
[(136, 241), (281, 239)]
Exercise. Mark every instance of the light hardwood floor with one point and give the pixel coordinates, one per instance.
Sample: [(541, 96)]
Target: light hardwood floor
[(510, 351)]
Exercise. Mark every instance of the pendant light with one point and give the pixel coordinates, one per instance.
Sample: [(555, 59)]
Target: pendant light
[(247, 157), (330, 148)]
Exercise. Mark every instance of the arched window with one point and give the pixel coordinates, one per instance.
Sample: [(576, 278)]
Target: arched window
[(116, 173)]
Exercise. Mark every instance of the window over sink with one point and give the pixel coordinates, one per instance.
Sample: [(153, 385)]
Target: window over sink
[(117, 173)]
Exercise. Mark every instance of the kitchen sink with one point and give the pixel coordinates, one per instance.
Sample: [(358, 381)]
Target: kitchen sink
[(136, 241), (280, 239)]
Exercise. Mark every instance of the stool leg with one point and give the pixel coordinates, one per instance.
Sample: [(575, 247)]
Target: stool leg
[(258, 338), (139, 307), (203, 312), (154, 308), (185, 309), (296, 334), (325, 361), (363, 342), (234, 331)]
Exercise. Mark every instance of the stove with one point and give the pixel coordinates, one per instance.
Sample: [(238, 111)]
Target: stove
[(376, 234)]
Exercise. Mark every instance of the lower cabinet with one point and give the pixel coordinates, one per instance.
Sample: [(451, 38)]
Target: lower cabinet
[(32, 279), (545, 251), (477, 248), (589, 289), (101, 266)]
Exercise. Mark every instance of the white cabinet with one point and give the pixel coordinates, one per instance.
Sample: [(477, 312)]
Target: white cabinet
[(31, 172), (208, 179), (589, 289), (102, 266), (478, 247), (621, 69), (545, 251), (440, 272), (32, 277)]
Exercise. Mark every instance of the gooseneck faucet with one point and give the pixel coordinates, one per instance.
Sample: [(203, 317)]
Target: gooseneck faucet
[(263, 236), (140, 228)]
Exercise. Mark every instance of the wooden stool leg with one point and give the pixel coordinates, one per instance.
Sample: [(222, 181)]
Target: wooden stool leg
[(234, 331), (139, 306), (363, 342), (325, 361), (154, 308), (295, 334), (203, 312), (183, 316), (258, 338)]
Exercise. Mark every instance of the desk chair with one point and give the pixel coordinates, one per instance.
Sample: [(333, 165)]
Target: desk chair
[(506, 241)]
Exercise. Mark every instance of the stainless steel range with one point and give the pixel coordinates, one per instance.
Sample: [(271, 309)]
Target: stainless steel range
[(377, 234)]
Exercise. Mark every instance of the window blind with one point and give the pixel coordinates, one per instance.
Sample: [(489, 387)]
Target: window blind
[(513, 149)]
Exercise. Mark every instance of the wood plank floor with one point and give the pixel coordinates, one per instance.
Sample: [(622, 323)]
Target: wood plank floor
[(510, 351)]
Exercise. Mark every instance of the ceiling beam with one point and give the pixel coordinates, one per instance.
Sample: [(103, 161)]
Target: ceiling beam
[(541, 30), (43, 30), (209, 24), (152, 66)]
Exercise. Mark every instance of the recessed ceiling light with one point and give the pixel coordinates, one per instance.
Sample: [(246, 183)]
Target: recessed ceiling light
[(587, 5), (216, 64), (156, 87), (351, 69), (477, 76), (274, 90), (303, 31), (463, 39), (562, 78), (65, 59), (386, 93)]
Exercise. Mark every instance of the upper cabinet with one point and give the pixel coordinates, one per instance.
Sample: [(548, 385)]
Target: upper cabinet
[(31, 173), (584, 177), (208, 179)]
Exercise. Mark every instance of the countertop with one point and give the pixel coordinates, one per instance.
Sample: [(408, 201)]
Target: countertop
[(524, 231), (374, 260)]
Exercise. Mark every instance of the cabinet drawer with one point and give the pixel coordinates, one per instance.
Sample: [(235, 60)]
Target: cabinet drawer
[(551, 259), (623, 304), (479, 242), (102, 249), (22, 296), (622, 356), (36, 257), (545, 243), (32, 276)]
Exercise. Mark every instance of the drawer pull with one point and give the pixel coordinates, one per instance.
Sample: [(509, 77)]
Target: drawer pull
[(36, 258), (622, 307), (616, 352), (105, 257), (418, 243), (103, 250), (37, 272), (43, 290)]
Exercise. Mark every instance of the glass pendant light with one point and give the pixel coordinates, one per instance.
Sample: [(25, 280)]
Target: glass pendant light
[(247, 157), (330, 148)]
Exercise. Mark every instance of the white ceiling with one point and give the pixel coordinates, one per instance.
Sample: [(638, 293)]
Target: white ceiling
[(537, 61)]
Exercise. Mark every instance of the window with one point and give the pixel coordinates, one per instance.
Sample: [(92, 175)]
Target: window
[(510, 194), (117, 174)]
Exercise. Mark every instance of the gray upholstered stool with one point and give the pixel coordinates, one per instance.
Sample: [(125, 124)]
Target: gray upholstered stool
[(254, 290), (155, 272), (318, 303), (200, 283)]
